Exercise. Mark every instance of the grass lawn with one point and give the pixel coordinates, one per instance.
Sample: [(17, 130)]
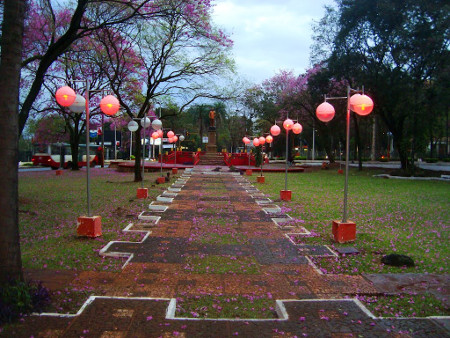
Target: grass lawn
[(49, 206), (392, 216)]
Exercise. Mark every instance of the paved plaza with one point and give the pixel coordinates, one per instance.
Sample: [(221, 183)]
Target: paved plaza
[(189, 223)]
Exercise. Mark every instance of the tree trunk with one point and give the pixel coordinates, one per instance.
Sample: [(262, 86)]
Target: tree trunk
[(373, 151), (11, 58), (137, 155)]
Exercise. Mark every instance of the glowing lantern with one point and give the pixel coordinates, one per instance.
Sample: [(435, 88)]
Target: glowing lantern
[(79, 105), (109, 105), (262, 140), (287, 124), (170, 139), (246, 140), (155, 135), (65, 96), (269, 139), (256, 142), (325, 112), (170, 134), (361, 104), (297, 128), (275, 130), (175, 138), (160, 133)]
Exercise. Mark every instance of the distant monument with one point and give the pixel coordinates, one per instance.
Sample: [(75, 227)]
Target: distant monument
[(211, 147)]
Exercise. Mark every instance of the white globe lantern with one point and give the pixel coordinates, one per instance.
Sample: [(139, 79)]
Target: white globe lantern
[(79, 105), (133, 126), (156, 124), (145, 122)]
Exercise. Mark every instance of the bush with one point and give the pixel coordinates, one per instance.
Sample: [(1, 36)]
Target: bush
[(132, 157), (18, 298), (300, 158)]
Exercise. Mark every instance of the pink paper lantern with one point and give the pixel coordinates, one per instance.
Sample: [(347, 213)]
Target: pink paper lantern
[(275, 130), (361, 104), (170, 134), (246, 140), (262, 140), (325, 112), (65, 96), (170, 139), (256, 142), (155, 135), (175, 138), (160, 133), (287, 124), (269, 139), (109, 105), (297, 128)]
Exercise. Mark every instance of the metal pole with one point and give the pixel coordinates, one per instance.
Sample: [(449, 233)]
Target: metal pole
[(88, 157), (103, 141), (347, 150), (115, 141), (286, 170), (261, 159), (131, 144), (143, 153), (314, 143), (160, 144)]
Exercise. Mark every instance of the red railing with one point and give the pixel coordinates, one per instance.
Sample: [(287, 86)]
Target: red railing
[(196, 157)]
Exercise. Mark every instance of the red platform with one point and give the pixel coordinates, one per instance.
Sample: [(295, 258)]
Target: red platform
[(142, 193), (344, 232), (89, 226), (285, 195), (261, 179)]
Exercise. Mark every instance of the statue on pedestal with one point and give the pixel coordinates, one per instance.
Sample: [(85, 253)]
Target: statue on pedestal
[(212, 116)]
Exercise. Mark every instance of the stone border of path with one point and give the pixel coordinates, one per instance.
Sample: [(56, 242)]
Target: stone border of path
[(444, 178)]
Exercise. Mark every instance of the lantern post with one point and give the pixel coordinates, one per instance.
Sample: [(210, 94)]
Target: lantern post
[(345, 231), (65, 96)]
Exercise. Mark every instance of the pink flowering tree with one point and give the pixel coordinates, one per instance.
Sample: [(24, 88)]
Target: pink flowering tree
[(52, 27), (178, 55)]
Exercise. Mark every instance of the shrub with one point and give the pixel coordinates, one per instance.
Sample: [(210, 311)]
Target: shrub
[(132, 157), (18, 298), (300, 158)]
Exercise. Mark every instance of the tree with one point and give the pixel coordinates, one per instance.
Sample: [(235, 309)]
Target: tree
[(11, 56), (396, 49), (48, 37), (181, 55)]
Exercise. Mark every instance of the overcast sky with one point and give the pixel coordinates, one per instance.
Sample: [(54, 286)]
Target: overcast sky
[(269, 35)]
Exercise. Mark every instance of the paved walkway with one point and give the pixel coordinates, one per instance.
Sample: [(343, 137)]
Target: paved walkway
[(213, 233)]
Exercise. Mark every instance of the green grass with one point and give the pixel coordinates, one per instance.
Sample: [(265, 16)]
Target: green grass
[(391, 216), (222, 264), (49, 206), (412, 305), (244, 307)]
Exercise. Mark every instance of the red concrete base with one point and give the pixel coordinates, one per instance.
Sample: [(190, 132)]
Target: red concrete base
[(161, 179), (248, 172), (285, 195), (89, 226), (344, 232), (174, 171), (58, 172), (142, 193), (340, 171), (260, 179)]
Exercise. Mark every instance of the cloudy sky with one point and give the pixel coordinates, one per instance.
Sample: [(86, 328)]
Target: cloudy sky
[(269, 35)]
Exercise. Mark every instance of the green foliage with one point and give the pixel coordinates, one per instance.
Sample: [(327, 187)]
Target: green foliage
[(19, 298)]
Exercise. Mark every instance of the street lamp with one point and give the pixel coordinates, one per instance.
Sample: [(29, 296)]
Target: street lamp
[(65, 96), (296, 128), (345, 231)]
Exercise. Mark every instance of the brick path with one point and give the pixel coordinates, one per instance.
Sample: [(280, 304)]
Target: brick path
[(214, 214)]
